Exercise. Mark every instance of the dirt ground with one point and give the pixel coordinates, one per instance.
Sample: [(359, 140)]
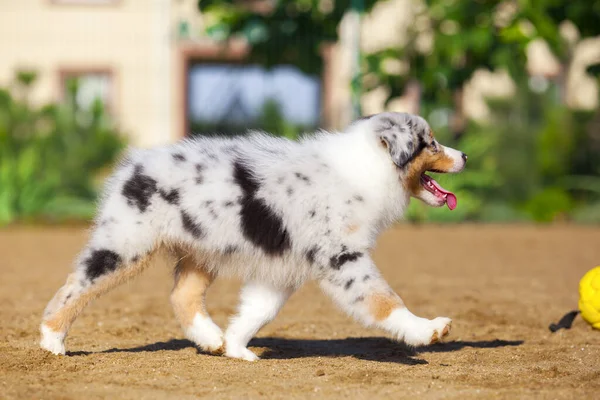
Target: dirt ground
[(502, 285)]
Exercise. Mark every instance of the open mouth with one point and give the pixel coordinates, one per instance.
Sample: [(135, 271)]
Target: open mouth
[(434, 188)]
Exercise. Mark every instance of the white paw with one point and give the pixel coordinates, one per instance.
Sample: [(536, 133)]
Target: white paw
[(416, 331), (52, 341), (441, 328), (205, 333), (425, 332), (240, 352)]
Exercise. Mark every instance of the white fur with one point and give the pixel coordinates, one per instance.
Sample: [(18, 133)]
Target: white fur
[(205, 333), (457, 156), (259, 304), (331, 193), (413, 330), (52, 341)]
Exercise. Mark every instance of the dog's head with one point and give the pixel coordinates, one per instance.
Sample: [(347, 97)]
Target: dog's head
[(409, 142)]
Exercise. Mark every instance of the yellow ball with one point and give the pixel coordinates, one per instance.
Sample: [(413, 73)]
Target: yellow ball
[(589, 297)]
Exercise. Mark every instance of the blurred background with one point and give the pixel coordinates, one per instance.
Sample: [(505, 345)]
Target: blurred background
[(512, 83)]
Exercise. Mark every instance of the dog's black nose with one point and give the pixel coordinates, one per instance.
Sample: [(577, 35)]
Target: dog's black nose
[(464, 157)]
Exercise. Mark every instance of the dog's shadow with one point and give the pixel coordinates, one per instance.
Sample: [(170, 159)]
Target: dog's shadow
[(364, 348)]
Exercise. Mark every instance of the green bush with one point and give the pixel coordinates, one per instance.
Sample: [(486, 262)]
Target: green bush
[(535, 161), (49, 156)]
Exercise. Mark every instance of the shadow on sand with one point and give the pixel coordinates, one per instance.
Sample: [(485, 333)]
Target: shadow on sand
[(364, 348)]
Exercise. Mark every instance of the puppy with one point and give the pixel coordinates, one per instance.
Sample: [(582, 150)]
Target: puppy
[(271, 211)]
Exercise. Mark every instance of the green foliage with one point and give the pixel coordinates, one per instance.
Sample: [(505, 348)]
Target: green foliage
[(547, 15), (289, 32), (49, 155), (535, 161), (465, 36)]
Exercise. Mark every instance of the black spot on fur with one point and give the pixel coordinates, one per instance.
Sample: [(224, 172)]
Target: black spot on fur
[(139, 189), (420, 147), (107, 221), (230, 149), (312, 213), (349, 201), (135, 259), (171, 197), (290, 191), (199, 177), (359, 198), (336, 262), (213, 213), (358, 299), (101, 262), (230, 250), (228, 204), (366, 278), (302, 177), (348, 284), (260, 224), (311, 254), (213, 156), (179, 157), (208, 203), (190, 225), (280, 180)]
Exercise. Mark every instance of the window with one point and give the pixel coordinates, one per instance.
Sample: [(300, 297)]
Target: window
[(89, 86), (230, 98)]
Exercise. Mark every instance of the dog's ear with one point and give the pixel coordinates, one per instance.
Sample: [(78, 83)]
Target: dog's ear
[(396, 134)]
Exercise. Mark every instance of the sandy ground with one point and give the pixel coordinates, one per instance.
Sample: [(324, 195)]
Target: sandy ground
[(502, 285)]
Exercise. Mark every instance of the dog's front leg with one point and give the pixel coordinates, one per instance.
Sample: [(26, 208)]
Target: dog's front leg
[(355, 284)]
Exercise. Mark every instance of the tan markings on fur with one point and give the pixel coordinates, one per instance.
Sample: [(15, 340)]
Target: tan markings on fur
[(352, 228), (188, 294), (381, 305), (436, 337), (59, 298), (60, 320), (425, 161)]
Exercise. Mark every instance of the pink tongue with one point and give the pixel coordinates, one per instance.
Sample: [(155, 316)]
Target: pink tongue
[(450, 197)]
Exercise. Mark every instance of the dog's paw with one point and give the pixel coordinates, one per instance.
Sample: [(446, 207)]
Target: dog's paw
[(52, 341), (442, 327), (240, 352), (422, 332), (206, 334)]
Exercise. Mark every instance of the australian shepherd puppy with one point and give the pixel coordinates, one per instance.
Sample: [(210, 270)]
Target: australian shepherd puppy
[(271, 211)]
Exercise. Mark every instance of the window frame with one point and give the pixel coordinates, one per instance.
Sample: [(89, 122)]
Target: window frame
[(65, 73)]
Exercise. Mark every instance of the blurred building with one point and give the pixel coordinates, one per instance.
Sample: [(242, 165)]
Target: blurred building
[(137, 55), (129, 52)]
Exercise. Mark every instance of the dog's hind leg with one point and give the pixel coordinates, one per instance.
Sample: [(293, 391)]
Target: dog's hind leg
[(116, 253), (259, 304), (188, 297), (355, 284)]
